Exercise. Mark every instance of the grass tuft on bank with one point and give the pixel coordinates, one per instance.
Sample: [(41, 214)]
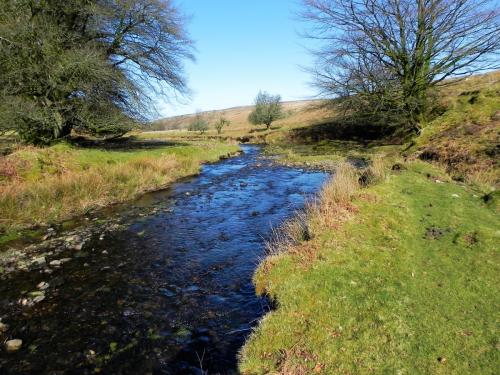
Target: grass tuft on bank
[(397, 277), (43, 185)]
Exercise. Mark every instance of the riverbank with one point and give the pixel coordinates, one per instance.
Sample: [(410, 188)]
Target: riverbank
[(41, 186), (395, 268), (400, 276)]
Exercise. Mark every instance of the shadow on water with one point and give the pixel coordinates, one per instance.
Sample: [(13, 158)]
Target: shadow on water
[(168, 293)]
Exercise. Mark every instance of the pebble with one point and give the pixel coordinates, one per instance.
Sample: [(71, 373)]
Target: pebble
[(39, 260), (13, 345), (55, 263), (70, 238), (455, 196), (25, 302), (43, 285), (56, 282)]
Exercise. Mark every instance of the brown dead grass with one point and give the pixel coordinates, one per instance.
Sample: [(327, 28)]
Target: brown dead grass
[(78, 191), (470, 152), (333, 206), (43, 185)]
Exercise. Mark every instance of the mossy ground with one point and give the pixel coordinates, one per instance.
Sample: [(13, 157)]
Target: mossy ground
[(408, 284)]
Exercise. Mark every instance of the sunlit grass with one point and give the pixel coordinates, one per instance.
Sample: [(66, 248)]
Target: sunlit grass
[(40, 185), (405, 284)]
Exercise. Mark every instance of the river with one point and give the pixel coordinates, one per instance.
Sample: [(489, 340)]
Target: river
[(169, 292)]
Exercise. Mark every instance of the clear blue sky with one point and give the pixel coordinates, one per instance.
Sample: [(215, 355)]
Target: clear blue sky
[(243, 46)]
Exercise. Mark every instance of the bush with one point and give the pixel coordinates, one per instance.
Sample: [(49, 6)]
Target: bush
[(199, 124)]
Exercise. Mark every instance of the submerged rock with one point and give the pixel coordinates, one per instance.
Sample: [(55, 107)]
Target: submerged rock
[(39, 299), (167, 292), (183, 333), (13, 345), (78, 246)]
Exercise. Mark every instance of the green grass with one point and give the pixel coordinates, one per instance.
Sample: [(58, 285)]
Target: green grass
[(326, 154), (408, 285), (472, 101), (40, 185)]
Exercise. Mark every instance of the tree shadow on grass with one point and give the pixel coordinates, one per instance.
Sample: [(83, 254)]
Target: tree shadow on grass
[(124, 144), (342, 130)]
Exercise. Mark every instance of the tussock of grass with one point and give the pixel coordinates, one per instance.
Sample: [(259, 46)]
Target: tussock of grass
[(405, 284), (55, 183), (332, 206)]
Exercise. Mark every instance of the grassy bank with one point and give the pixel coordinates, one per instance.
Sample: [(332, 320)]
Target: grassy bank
[(399, 277), (41, 185)]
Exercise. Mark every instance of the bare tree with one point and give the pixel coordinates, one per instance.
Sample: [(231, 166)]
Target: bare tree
[(391, 53), (220, 123)]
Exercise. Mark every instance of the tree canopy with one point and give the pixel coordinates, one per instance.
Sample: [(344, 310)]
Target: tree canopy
[(87, 65), (268, 108), (386, 56)]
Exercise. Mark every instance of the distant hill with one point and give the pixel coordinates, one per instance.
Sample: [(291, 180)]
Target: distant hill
[(237, 115)]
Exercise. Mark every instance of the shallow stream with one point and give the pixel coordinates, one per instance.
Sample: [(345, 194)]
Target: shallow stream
[(169, 292)]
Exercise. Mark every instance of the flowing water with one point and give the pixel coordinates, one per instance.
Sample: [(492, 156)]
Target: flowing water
[(169, 292)]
